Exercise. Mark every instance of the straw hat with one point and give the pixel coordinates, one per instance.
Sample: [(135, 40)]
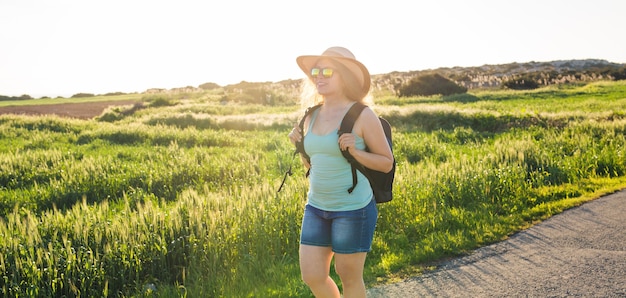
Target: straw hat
[(343, 56)]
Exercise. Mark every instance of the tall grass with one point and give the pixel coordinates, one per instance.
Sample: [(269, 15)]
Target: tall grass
[(89, 250), (184, 204)]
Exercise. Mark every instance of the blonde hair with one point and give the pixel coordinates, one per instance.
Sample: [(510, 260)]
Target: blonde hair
[(308, 94)]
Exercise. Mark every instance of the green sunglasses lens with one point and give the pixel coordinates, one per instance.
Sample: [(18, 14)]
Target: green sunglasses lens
[(326, 72)]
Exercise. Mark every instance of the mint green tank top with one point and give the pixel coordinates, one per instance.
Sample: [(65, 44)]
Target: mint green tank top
[(331, 174)]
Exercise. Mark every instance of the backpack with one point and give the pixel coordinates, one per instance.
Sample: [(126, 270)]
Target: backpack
[(382, 183)]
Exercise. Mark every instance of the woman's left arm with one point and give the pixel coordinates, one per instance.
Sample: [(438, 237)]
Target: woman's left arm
[(379, 156)]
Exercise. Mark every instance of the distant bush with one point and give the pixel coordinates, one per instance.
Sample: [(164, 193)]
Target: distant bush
[(116, 113), (159, 100), (430, 84), (619, 74), (524, 82), (209, 86), (110, 116), (114, 93), (81, 95), (25, 96)]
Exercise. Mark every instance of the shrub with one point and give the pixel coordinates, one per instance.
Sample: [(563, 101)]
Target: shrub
[(114, 93), (524, 82), (430, 84), (619, 74), (209, 86), (81, 95), (24, 96), (116, 113), (159, 100)]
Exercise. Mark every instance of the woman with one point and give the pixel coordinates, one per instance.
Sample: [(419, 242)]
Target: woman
[(337, 223)]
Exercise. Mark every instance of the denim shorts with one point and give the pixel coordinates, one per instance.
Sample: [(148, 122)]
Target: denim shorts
[(345, 231)]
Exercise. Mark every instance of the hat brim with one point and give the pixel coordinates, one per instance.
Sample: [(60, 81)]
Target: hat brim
[(307, 62)]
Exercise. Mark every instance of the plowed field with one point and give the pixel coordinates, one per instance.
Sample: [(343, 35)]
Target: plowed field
[(86, 110)]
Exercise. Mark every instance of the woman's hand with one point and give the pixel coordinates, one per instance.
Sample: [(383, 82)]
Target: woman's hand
[(347, 142), (295, 135)]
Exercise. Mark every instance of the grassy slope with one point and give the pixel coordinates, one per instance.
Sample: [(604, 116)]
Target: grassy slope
[(187, 192)]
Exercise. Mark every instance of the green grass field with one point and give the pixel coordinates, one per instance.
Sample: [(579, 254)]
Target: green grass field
[(179, 199)]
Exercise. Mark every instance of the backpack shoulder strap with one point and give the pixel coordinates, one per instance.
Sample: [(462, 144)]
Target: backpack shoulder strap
[(347, 124), (300, 145)]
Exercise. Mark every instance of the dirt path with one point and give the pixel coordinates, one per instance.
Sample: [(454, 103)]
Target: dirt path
[(580, 252), (85, 110)]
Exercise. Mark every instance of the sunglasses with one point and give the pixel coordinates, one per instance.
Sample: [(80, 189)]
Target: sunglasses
[(326, 72)]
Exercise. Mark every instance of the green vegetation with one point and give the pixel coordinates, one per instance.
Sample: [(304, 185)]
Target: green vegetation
[(82, 95), (523, 82), (178, 198), (429, 84), (23, 97)]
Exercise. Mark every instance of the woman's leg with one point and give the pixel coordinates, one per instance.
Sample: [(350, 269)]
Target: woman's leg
[(349, 267), (352, 235), (315, 270)]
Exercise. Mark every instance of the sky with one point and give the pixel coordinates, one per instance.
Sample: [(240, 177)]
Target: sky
[(64, 47)]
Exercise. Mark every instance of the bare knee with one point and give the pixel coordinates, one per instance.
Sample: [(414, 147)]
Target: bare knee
[(312, 278), (350, 268), (314, 264), (349, 274)]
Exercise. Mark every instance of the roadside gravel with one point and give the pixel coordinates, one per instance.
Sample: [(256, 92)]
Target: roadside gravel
[(578, 253)]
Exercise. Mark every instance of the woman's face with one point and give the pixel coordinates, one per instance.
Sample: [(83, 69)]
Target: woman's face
[(328, 80)]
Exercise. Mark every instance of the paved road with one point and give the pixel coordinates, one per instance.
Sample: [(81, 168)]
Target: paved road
[(578, 253)]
